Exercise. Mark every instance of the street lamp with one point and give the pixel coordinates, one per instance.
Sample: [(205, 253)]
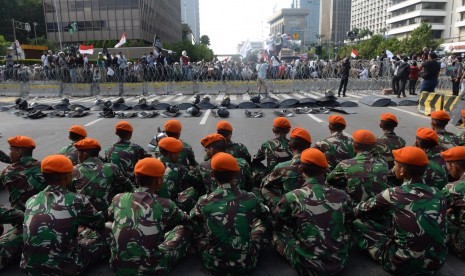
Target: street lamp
[(35, 33)]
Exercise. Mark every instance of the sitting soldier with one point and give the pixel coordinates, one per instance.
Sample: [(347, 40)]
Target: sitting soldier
[(11, 243)]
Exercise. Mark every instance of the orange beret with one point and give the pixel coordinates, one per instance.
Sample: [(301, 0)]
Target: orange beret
[(315, 157), (211, 138), (363, 136), (79, 130), (301, 133), (56, 164), (149, 167), (173, 126), (282, 122), (389, 117), (123, 125), (224, 162), (411, 156), (170, 144), (463, 113), (224, 126), (87, 143), (440, 115), (454, 154), (427, 134), (337, 120), (22, 142)]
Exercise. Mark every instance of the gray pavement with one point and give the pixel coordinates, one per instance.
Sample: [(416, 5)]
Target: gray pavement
[(50, 135)]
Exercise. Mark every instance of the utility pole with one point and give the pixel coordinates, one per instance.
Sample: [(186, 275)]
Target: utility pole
[(58, 24), (22, 26)]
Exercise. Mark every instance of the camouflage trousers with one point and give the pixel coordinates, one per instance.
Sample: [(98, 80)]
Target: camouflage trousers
[(173, 249), (11, 246), (373, 236), (457, 239)]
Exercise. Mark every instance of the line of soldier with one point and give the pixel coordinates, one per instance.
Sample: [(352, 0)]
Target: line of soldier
[(313, 204)]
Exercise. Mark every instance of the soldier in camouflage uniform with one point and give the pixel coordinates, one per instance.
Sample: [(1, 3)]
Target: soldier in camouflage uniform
[(336, 147), (439, 121), (23, 178), (363, 176), (237, 150), (229, 223), (436, 172), (11, 243), (404, 228), (186, 157), (455, 195), (97, 180), (150, 232), (389, 141), (52, 245), (76, 134), (461, 136), (124, 153), (310, 231), (286, 177)]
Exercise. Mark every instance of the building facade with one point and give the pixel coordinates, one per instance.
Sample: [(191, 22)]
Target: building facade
[(190, 15), (371, 15), (459, 14), (109, 19), (313, 18), (335, 19), (290, 21)]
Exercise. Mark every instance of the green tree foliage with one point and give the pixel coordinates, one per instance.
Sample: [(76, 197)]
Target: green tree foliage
[(3, 45), (205, 40), (26, 11)]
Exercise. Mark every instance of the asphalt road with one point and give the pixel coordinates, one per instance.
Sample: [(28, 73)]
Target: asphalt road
[(51, 134)]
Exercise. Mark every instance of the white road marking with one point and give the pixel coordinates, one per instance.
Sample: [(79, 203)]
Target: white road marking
[(167, 99), (411, 113), (315, 118), (93, 122), (355, 96), (205, 117), (180, 98), (298, 96), (191, 99), (233, 97), (246, 97), (285, 96), (87, 100), (220, 97)]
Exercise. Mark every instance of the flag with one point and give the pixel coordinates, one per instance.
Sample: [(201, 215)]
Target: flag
[(121, 41), (354, 53), (389, 54), (72, 28), (83, 49), (247, 46)]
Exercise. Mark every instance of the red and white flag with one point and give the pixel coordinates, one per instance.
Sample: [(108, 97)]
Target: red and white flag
[(121, 41), (83, 49), (354, 53)]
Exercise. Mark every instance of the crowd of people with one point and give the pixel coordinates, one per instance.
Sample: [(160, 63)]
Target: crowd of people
[(311, 201)]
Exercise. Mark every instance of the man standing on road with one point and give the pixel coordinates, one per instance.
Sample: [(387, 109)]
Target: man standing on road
[(345, 73), (262, 69), (430, 73), (76, 134)]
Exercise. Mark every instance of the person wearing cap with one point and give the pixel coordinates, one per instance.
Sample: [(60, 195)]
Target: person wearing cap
[(403, 228), (337, 146), (311, 218), (237, 150), (95, 179), (436, 173), (11, 243), (124, 153), (439, 121), (173, 129), (76, 133), (151, 234), (363, 176), (23, 177), (229, 223), (286, 176), (389, 141), (53, 244), (455, 195)]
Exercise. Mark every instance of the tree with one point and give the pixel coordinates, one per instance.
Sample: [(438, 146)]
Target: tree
[(3, 45), (205, 40), (27, 11), (419, 38)]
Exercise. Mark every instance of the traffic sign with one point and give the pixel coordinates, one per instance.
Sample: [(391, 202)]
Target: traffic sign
[(295, 36)]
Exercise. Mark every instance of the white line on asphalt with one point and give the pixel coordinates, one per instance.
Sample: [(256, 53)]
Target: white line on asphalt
[(167, 99), (285, 96), (232, 97), (93, 122), (180, 98), (191, 99), (411, 113), (220, 97), (205, 117), (87, 99), (246, 97), (315, 118), (355, 96), (298, 96)]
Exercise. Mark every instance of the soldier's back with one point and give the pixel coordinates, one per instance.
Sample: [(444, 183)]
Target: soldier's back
[(336, 148)]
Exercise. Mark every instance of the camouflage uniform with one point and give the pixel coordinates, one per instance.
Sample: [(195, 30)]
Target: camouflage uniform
[(71, 152), (186, 156), (436, 172), (386, 144), (336, 148), (455, 194), (142, 244), (237, 150), (23, 179), (362, 177), (461, 137), (281, 181), (447, 139), (415, 240), (99, 182), (229, 228), (274, 151), (51, 242), (5, 158), (310, 232), (11, 243), (125, 155)]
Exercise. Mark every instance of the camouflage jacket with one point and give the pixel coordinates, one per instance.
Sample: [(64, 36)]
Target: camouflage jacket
[(281, 181), (336, 148), (237, 150), (274, 151), (5, 158), (222, 225), (416, 213), (22, 179), (125, 155), (317, 213), (362, 177), (11, 216), (455, 195), (176, 179), (51, 224), (71, 152), (447, 139), (187, 157), (99, 182), (436, 172), (386, 144), (461, 137), (141, 219)]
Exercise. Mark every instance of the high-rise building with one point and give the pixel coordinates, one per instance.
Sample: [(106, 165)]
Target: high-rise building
[(313, 18), (335, 20), (190, 15), (290, 21), (109, 19), (459, 14), (371, 15)]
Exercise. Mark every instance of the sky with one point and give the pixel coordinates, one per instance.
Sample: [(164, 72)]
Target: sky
[(228, 22)]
